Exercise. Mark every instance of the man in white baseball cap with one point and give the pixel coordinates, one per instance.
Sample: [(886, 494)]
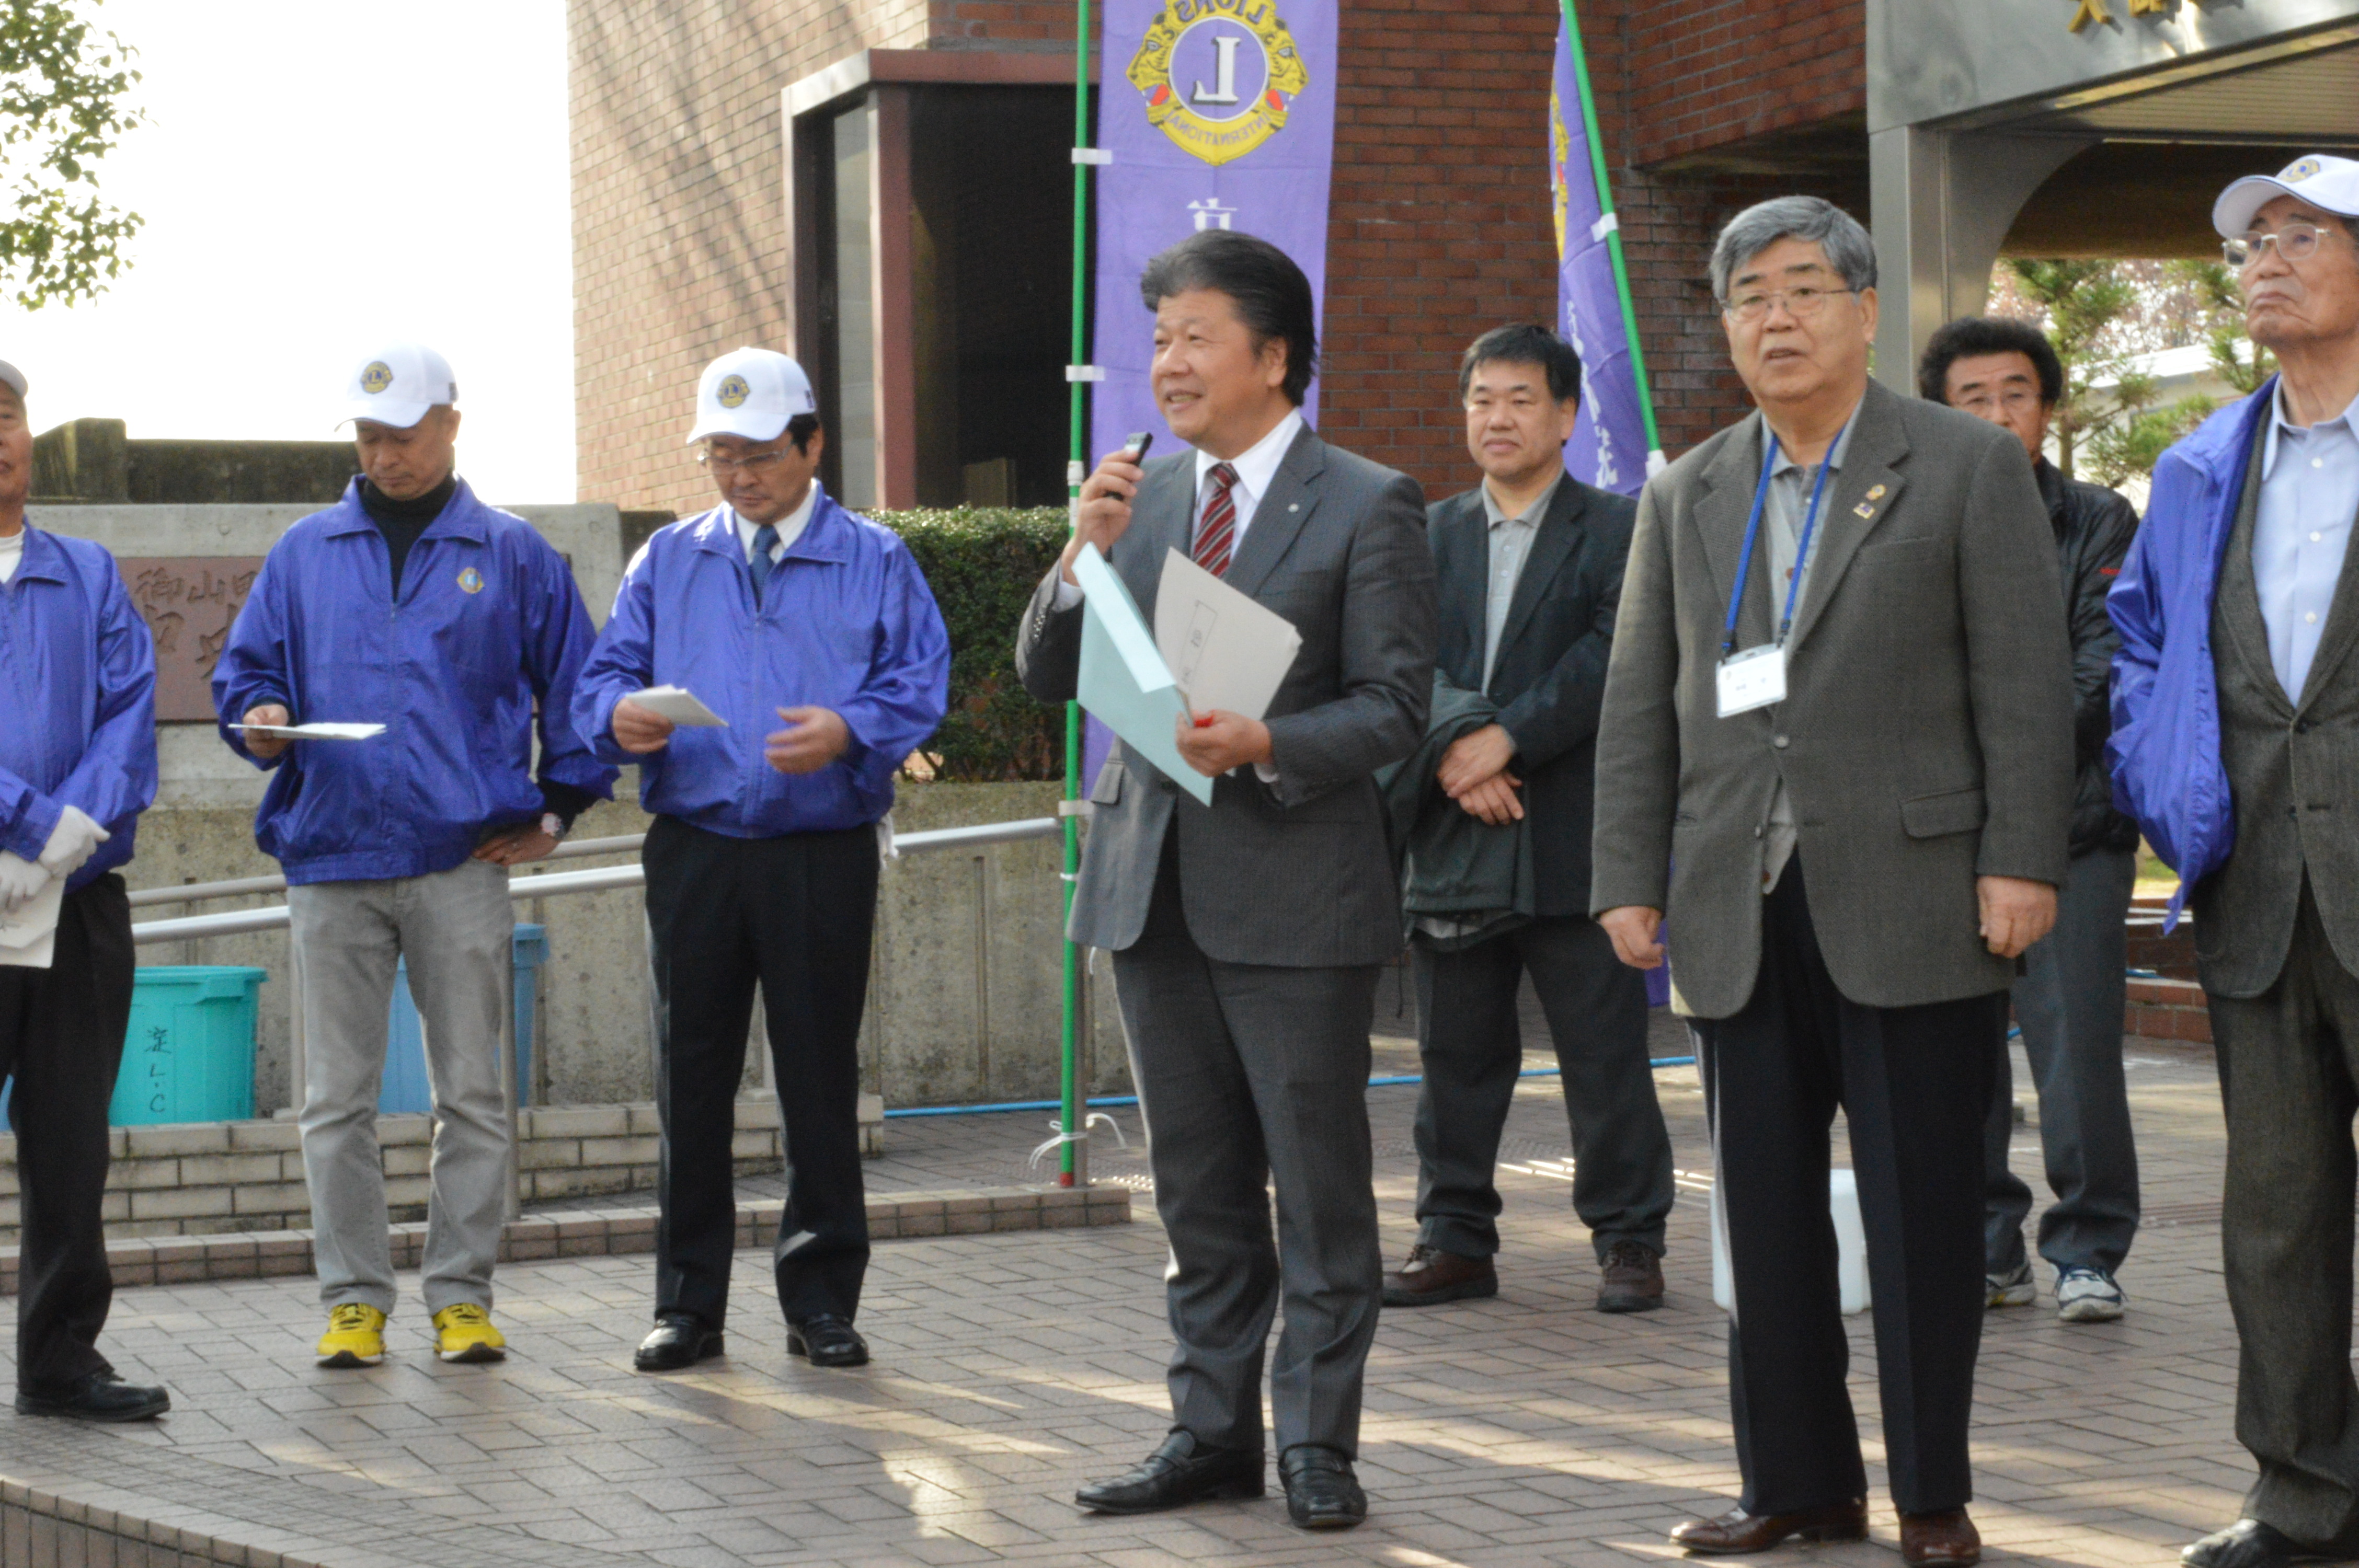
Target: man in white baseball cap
[(2235, 735), (761, 861), (411, 604)]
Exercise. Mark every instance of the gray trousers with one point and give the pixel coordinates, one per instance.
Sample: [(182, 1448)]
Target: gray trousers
[(2068, 1001), (2289, 1083), (1250, 1074), (1470, 1042), (454, 927)]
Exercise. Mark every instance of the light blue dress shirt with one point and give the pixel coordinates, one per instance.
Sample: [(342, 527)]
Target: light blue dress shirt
[(2310, 496)]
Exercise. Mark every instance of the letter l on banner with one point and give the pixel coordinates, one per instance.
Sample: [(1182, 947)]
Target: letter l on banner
[(1219, 114)]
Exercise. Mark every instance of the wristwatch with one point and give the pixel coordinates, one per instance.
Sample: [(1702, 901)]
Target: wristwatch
[(556, 827)]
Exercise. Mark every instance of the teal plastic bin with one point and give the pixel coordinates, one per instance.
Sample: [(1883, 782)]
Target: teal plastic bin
[(190, 1053), (404, 1087)]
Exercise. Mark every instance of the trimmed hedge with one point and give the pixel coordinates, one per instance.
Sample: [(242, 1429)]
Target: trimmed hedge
[(983, 564)]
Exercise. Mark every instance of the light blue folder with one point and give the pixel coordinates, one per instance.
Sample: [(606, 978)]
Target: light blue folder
[(1125, 682)]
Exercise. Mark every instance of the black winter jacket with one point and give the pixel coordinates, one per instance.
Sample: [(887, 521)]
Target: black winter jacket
[(2093, 529)]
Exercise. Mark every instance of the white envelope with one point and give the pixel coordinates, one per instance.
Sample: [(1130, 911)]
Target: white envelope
[(324, 731), (1224, 650), (680, 705), (28, 937)]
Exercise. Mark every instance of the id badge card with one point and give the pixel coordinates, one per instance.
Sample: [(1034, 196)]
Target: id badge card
[(1754, 678)]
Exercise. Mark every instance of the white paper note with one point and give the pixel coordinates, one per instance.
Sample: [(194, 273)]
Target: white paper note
[(680, 705), (28, 937), (1224, 651), (326, 731), (1123, 678)]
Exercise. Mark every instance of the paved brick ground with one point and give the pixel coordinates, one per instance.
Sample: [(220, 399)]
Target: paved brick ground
[(1523, 1429)]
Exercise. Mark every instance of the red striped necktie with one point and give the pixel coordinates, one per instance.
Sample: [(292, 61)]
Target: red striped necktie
[(1216, 532)]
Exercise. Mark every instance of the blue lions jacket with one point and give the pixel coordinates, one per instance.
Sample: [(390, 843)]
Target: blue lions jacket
[(77, 701), (489, 621), (847, 622), (2165, 750)]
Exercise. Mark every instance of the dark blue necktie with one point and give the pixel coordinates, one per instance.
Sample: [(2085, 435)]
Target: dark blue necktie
[(766, 539)]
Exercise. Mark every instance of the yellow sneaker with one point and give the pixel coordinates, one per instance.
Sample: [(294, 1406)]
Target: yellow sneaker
[(355, 1336), (464, 1332)]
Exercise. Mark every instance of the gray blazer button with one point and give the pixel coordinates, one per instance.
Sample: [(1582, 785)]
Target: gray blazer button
[(1778, 742)]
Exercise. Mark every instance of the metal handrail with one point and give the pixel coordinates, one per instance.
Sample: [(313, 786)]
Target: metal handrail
[(247, 887), (544, 884)]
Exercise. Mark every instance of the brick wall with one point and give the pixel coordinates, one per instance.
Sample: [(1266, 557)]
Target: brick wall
[(1440, 222)]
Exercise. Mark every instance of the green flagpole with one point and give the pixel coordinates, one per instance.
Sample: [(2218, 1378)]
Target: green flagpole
[(1077, 465), (1606, 208)]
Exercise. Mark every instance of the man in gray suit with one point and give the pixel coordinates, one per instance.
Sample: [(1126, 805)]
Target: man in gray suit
[(1247, 934), (1837, 753), (2237, 746)]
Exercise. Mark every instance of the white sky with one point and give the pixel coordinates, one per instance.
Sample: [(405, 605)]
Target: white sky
[(318, 177)]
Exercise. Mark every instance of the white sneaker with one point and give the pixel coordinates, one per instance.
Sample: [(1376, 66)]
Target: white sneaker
[(2087, 1296), (2014, 1287)]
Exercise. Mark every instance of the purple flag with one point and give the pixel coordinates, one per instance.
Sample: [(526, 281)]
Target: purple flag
[(1219, 114), (1608, 447)]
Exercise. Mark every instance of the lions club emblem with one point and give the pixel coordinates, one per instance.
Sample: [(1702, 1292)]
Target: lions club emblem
[(472, 581), (1218, 75), (2302, 170), (377, 377), (731, 391)]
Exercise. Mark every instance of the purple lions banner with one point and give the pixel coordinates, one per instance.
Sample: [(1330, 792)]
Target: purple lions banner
[(1608, 447), (1219, 114)]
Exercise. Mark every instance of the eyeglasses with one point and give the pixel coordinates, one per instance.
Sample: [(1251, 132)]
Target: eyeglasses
[(2295, 241), (1801, 303), (752, 462), (2014, 400)]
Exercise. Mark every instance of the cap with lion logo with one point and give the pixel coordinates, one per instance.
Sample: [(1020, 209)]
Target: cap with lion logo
[(2330, 184), (752, 394), (397, 386)]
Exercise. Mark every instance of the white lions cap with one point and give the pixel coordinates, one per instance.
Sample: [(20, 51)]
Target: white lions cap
[(11, 376), (2332, 183), (397, 386), (752, 393)]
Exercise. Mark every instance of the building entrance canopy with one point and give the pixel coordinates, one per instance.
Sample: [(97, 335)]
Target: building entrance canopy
[(2089, 127)]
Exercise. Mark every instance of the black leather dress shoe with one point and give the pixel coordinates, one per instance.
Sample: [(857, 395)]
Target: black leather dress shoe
[(680, 1341), (1321, 1493), (2248, 1544), (1737, 1531), (1182, 1471), (828, 1340), (96, 1396)]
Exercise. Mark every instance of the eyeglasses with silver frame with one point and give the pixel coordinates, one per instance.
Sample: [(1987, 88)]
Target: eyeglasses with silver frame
[(2295, 241)]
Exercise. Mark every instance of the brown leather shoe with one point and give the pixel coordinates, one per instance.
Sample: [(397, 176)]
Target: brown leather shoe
[(1738, 1531), (1946, 1539), (1631, 1279), (1433, 1276)]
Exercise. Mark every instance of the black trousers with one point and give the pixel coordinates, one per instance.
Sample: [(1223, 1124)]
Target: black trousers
[(2289, 1085), (1470, 1045), (62, 1043), (793, 915), (1913, 1083)]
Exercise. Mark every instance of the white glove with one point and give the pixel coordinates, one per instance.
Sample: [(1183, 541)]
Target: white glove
[(20, 880), (75, 839)]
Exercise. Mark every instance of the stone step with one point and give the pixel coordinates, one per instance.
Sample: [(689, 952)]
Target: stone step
[(599, 1233), (2167, 1010)]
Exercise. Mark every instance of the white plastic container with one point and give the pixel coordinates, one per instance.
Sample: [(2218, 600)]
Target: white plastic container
[(1851, 1244)]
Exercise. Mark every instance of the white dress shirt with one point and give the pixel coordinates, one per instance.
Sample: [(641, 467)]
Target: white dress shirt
[(2310, 494), (1256, 469), (790, 527), (12, 553)]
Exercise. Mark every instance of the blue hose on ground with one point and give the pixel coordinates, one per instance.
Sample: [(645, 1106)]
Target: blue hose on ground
[(1380, 1083)]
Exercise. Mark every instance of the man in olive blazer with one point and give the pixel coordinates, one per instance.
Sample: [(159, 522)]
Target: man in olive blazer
[(1851, 870)]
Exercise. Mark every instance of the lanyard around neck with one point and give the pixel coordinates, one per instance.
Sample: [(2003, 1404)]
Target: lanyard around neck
[(1753, 531)]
